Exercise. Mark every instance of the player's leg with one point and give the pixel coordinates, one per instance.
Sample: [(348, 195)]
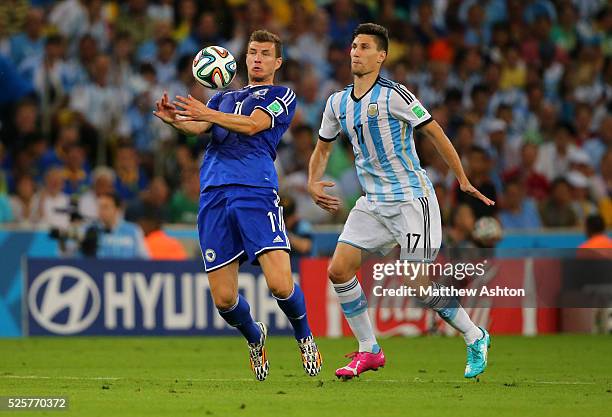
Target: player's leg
[(421, 218), (276, 267), (289, 296), (342, 272), (362, 231), (259, 218), (232, 306), (221, 247)]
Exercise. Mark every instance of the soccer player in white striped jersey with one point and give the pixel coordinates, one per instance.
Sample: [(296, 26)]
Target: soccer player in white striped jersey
[(379, 117)]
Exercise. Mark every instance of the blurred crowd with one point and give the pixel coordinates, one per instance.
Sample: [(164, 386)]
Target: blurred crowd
[(523, 89)]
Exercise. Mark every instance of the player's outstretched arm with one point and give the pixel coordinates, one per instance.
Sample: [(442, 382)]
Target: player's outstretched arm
[(167, 113), (316, 170), (195, 110), (445, 148)]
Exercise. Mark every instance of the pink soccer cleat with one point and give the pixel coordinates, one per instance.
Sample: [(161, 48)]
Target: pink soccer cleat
[(362, 361)]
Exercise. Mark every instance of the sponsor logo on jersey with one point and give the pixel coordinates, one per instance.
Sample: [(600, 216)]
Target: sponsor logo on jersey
[(278, 239)]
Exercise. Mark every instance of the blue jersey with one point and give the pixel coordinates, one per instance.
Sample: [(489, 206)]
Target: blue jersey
[(237, 159)]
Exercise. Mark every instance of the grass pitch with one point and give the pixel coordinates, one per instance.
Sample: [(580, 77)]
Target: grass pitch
[(563, 375)]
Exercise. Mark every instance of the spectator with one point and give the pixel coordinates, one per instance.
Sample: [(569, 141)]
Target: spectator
[(98, 102), (156, 195), (133, 18), (130, 177), (76, 175), (479, 167), (24, 124), (459, 232), (117, 238), (553, 157), (298, 230), (581, 203), (604, 184), (185, 201), (595, 230), (597, 146), (53, 201), (25, 204), (159, 245), (518, 212), (204, 34), (102, 179), (536, 184), (67, 136), (31, 41), (556, 210), (187, 14)]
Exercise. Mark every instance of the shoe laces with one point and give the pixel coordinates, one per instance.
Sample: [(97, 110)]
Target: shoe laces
[(255, 351), (307, 346), (355, 356), (473, 352)]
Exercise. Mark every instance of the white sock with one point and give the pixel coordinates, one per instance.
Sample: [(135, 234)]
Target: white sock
[(355, 307), (451, 312)]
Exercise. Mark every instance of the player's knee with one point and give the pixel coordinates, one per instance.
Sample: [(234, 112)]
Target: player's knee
[(281, 288), (338, 274), (225, 300)]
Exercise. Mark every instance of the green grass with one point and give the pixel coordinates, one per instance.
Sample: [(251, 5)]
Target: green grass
[(544, 376)]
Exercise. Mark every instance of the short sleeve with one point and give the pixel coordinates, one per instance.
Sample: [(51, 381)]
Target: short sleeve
[(403, 105), (214, 101), (330, 126), (279, 103)]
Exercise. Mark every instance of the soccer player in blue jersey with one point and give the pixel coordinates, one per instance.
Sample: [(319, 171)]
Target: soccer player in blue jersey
[(240, 217), (379, 117)]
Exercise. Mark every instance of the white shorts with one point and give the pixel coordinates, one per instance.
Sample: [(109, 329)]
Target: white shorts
[(380, 226)]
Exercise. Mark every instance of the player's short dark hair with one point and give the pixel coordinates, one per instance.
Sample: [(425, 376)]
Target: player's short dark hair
[(265, 36), (380, 33), (594, 225)]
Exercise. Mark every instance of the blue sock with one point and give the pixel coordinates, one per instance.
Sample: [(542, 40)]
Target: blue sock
[(294, 308), (239, 316)]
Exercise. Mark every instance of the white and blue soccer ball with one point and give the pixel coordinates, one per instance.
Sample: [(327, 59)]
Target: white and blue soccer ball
[(214, 67)]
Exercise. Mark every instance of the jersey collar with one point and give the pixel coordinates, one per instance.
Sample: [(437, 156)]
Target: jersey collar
[(355, 99)]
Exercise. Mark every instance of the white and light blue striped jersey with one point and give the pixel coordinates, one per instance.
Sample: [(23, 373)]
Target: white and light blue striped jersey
[(380, 127)]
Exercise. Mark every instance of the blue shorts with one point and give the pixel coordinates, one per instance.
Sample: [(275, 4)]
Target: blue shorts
[(239, 222)]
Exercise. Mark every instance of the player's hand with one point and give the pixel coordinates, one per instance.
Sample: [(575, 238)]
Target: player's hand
[(165, 110), (467, 187), (193, 109), (321, 198)]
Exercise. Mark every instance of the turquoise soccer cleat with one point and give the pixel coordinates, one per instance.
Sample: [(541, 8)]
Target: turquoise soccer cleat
[(477, 355)]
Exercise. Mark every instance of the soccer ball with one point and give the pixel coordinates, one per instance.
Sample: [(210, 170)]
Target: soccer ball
[(214, 67)]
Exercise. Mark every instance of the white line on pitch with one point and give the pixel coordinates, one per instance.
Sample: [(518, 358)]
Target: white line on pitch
[(77, 378), (464, 381), (393, 381)]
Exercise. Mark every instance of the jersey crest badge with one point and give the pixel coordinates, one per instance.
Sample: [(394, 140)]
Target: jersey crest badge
[(372, 110), (259, 94)]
